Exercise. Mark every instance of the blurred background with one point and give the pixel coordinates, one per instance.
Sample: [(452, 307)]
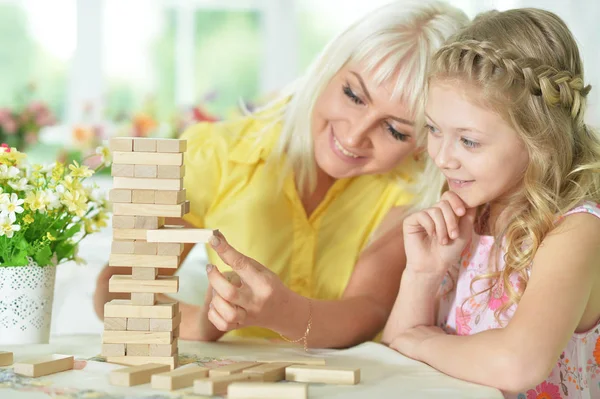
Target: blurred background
[(75, 72)]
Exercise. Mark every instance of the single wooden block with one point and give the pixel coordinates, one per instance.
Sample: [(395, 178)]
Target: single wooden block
[(121, 144), (135, 324), (145, 171), (144, 145), (138, 350), (303, 360), (148, 158), (143, 298), (6, 359), (129, 234), (115, 323), (169, 248), (119, 195), (187, 207), (136, 337), (164, 350), (179, 235), (176, 333), (166, 262), (165, 324), (113, 350), (162, 284), (266, 390), (144, 273), (270, 372), (218, 385), (131, 376), (233, 368), (143, 196), (174, 211), (170, 172), (171, 145), (147, 222), (323, 374), (45, 365), (170, 197), (121, 170), (122, 247), (180, 378), (122, 222), (124, 308), (171, 361), (141, 247), (148, 184)]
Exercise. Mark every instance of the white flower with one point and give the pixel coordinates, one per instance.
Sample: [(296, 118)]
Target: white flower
[(104, 153), (52, 199), (7, 228), (10, 208), (20, 185), (4, 198), (8, 172), (48, 168)]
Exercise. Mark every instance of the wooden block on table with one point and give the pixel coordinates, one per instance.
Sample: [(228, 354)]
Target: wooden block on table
[(162, 284), (165, 324), (145, 171), (180, 378), (122, 222), (129, 234), (218, 385), (136, 337), (179, 235), (143, 298), (170, 172), (144, 273), (120, 195), (323, 374), (270, 372), (121, 144), (115, 323), (45, 365), (160, 261), (173, 197), (135, 183), (113, 350), (305, 360), (143, 196), (171, 145), (169, 248), (266, 390), (122, 247), (131, 376), (147, 158), (144, 145), (138, 324), (147, 222), (171, 361), (229, 369), (124, 308), (121, 170), (138, 350), (6, 358), (174, 211), (164, 349)]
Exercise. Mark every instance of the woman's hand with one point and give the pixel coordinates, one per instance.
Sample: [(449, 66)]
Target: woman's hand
[(256, 296), (410, 342), (435, 237)]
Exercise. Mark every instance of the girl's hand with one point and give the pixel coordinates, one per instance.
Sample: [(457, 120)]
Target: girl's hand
[(435, 237)]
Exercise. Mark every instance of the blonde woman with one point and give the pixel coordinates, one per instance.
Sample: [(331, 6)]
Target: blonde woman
[(512, 248), (301, 187)]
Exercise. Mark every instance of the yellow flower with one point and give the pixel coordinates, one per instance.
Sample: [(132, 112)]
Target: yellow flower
[(36, 200), (104, 153), (11, 157), (58, 171), (72, 184), (88, 224), (28, 219), (100, 219), (50, 237), (76, 202), (80, 171)]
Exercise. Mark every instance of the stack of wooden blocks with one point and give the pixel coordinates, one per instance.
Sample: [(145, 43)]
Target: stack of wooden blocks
[(148, 186)]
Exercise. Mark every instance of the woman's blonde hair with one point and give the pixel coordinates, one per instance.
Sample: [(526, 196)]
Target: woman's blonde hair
[(397, 38), (526, 65)]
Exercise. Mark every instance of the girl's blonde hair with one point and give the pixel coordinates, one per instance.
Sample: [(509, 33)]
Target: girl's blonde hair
[(527, 66), (397, 38)]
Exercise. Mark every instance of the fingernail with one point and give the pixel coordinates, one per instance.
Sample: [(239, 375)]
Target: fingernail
[(461, 211), (209, 268), (454, 234), (214, 240)]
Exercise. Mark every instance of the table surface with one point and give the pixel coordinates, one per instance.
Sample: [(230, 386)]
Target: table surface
[(384, 372)]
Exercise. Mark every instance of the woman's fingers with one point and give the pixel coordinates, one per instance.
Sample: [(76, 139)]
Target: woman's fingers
[(231, 314)]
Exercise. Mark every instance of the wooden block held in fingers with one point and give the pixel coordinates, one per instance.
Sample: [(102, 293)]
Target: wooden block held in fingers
[(135, 183), (180, 378), (218, 385), (131, 376), (143, 298), (174, 211), (138, 350), (169, 248), (45, 365), (144, 144), (113, 350), (147, 158), (123, 222), (143, 196), (145, 171), (166, 262), (6, 359), (170, 197), (170, 172), (121, 144), (136, 337), (266, 390), (180, 235), (147, 222), (124, 308), (121, 170), (323, 374), (129, 234), (165, 324), (144, 273), (162, 284), (171, 145), (164, 350), (115, 323), (233, 368), (119, 195), (270, 372), (171, 361), (122, 247), (136, 324)]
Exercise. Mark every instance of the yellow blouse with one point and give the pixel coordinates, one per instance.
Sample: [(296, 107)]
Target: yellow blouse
[(231, 188)]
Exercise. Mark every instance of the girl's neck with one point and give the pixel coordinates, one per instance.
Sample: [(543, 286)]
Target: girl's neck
[(492, 216)]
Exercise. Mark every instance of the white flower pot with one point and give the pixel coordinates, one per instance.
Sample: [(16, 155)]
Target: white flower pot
[(26, 296)]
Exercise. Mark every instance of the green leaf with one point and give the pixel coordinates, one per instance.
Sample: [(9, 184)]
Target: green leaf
[(71, 231), (43, 256)]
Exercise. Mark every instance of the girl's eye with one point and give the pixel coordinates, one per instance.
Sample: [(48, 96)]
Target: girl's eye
[(431, 129), (353, 97), (469, 143)]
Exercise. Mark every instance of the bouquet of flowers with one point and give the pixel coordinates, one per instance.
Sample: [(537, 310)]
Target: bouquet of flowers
[(46, 210)]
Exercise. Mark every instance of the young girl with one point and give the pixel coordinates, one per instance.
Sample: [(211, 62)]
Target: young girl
[(512, 248)]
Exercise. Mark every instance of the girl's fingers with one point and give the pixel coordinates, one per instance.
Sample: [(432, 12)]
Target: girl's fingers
[(455, 202), (450, 219), (441, 230)]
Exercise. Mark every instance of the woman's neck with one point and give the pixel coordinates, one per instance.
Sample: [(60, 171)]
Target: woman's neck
[(312, 198)]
